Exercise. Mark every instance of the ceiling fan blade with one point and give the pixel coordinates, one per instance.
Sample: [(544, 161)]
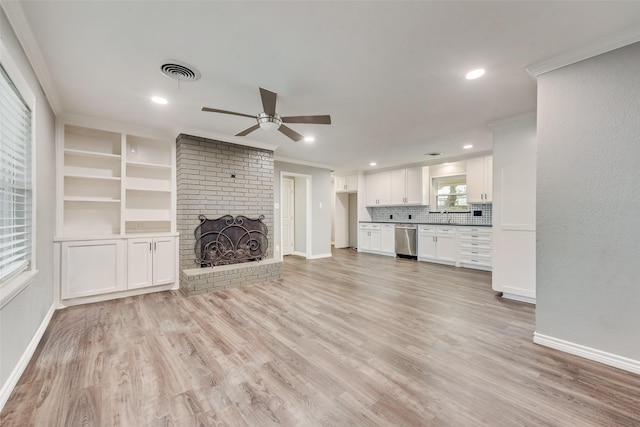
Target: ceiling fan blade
[(248, 130), (320, 120), (215, 110), (268, 101), (290, 133)]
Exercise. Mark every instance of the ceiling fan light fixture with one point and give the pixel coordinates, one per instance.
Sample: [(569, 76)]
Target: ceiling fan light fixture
[(268, 122)]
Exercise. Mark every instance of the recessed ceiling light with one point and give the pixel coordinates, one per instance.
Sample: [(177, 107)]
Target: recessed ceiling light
[(309, 139), (474, 74), (466, 147), (159, 100), (372, 164)]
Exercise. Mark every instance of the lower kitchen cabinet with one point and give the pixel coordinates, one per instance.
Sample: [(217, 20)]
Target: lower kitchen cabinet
[(92, 267), (437, 244), (376, 238), (150, 262), (474, 247)]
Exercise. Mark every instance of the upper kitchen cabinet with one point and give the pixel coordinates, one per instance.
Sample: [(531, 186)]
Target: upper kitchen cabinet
[(398, 187), (379, 189), (480, 180), (409, 186), (347, 184)]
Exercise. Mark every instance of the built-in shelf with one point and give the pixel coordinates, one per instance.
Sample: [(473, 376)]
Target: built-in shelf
[(84, 153), (114, 183)]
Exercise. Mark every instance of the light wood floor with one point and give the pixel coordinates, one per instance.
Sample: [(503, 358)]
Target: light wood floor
[(356, 339)]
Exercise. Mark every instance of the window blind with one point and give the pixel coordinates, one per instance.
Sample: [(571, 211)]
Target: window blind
[(15, 181)]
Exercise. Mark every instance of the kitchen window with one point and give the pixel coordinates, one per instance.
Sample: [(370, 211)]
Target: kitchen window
[(451, 193), (16, 195)]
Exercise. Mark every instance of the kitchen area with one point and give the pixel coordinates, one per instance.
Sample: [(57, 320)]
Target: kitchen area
[(438, 213)]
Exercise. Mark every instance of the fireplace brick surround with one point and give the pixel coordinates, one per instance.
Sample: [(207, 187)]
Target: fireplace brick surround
[(216, 178)]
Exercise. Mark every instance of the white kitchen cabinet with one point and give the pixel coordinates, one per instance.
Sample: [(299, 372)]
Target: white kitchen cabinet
[(474, 247), (150, 262), (378, 189), (92, 267), (388, 238), (437, 244), (398, 187), (376, 238), (347, 184), (480, 179)]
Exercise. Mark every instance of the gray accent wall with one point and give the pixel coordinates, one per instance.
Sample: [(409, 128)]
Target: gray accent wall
[(320, 205), (588, 203), (24, 316)]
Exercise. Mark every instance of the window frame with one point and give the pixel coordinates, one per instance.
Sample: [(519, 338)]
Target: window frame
[(13, 284), (437, 181)]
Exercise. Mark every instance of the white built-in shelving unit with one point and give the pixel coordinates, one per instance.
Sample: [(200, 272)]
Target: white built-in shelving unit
[(115, 184)]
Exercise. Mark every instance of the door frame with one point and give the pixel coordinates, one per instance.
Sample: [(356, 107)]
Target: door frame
[(292, 222), (308, 216)]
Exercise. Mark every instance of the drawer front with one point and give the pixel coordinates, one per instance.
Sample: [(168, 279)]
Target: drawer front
[(387, 226), (474, 260), (475, 245), (375, 226), (445, 230), (431, 229), (473, 252)]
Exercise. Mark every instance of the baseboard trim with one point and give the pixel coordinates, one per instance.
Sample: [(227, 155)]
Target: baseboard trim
[(600, 356), (520, 298), (327, 255), (17, 372)]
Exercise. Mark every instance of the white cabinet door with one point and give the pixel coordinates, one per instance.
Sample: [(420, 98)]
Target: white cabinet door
[(164, 256), (414, 190), (426, 245), (480, 179), (446, 247), (379, 189), (347, 184), (398, 187), (388, 238), (376, 240), (151, 262), (139, 263), (91, 267), (364, 239)]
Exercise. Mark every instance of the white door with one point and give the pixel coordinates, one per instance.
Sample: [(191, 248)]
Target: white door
[(164, 255), (288, 215)]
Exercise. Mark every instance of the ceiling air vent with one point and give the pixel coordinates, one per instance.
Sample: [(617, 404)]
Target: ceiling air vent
[(180, 71), (433, 154)]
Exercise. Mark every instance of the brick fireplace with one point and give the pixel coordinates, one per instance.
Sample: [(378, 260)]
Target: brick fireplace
[(214, 179)]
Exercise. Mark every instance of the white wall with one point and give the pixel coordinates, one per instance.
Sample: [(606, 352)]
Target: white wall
[(300, 211), (23, 318), (320, 206), (588, 204), (514, 207)]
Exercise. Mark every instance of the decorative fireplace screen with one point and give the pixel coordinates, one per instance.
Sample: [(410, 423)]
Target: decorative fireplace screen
[(229, 240)]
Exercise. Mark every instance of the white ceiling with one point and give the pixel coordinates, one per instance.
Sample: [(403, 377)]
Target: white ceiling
[(390, 74)]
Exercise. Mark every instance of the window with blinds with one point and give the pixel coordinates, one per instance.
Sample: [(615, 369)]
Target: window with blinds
[(15, 181)]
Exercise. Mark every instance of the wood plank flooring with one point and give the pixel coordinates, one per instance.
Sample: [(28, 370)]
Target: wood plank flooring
[(355, 339)]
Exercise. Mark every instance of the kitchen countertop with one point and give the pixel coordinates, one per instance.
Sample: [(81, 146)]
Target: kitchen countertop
[(424, 223)]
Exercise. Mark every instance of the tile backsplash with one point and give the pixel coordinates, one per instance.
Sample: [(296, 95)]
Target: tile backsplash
[(421, 214)]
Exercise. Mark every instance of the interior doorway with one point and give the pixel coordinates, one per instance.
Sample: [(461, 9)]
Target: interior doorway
[(346, 221), (288, 212), (295, 214)]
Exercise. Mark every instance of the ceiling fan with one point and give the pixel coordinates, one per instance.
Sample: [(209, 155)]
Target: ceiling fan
[(269, 120)]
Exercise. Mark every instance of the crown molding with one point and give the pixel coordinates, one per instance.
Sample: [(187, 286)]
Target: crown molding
[(302, 162), (607, 44), (530, 115), (226, 138), (17, 18)]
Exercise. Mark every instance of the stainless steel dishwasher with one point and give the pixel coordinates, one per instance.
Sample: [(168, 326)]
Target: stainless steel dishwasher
[(406, 240)]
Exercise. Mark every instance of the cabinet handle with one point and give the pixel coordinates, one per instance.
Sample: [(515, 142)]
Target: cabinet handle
[(155, 247), (474, 244), (149, 246)]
